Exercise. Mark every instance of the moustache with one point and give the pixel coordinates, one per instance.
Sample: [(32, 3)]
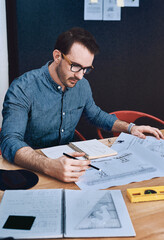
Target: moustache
[(74, 79)]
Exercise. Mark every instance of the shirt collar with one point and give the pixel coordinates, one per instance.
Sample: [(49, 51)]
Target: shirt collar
[(56, 86)]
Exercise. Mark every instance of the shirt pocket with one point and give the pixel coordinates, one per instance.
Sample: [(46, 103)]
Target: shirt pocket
[(75, 115)]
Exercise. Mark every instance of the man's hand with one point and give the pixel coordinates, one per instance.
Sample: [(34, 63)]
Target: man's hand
[(67, 169), (122, 126), (63, 168), (140, 130)]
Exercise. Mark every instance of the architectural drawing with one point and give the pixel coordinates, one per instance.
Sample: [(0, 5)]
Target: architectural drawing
[(151, 143), (130, 165), (102, 215), (156, 147), (116, 168)]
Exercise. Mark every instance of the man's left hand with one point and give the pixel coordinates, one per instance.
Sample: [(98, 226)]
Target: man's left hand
[(140, 130)]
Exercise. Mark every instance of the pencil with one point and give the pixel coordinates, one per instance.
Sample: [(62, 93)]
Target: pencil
[(90, 165)]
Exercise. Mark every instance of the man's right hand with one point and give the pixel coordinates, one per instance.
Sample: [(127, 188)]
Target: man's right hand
[(67, 169), (63, 168)]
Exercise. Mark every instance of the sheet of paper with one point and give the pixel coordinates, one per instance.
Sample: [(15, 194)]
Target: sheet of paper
[(97, 214), (44, 205), (131, 3), (125, 141), (57, 151), (91, 147), (93, 10), (132, 165), (111, 11)]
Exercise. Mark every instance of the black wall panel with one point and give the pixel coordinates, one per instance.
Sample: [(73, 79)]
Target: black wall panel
[(130, 67)]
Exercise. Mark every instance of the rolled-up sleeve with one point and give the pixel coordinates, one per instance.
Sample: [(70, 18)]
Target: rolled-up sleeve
[(15, 116)]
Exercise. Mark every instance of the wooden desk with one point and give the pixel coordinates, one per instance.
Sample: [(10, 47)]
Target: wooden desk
[(147, 217)]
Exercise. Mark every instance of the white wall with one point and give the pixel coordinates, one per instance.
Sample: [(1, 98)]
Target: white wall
[(3, 56)]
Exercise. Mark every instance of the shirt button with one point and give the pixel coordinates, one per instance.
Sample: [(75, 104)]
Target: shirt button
[(59, 87), (63, 113), (62, 130)]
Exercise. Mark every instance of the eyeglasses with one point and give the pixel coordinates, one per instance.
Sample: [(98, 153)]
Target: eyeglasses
[(76, 67)]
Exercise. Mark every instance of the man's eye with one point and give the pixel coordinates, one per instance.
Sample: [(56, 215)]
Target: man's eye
[(76, 65)]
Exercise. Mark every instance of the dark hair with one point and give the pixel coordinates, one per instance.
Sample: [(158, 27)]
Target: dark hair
[(79, 35)]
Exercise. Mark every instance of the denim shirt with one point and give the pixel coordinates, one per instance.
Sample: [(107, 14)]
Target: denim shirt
[(37, 113)]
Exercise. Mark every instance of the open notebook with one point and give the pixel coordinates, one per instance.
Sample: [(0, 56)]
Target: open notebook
[(93, 149), (58, 213)]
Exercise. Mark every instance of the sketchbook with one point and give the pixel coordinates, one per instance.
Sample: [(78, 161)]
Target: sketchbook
[(92, 148), (58, 213)]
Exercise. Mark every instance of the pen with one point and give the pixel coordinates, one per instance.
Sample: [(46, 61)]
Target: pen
[(119, 141), (69, 156)]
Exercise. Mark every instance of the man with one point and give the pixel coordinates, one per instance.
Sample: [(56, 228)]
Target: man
[(43, 107)]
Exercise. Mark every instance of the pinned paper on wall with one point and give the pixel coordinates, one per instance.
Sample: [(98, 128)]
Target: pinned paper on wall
[(93, 9), (106, 10), (128, 3), (111, 11), (131, 3)]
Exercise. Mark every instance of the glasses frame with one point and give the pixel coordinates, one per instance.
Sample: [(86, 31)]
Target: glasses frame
[(90, 68)]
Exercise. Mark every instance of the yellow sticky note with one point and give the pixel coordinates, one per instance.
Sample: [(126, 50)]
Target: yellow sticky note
[(94, 1), (120, 3)]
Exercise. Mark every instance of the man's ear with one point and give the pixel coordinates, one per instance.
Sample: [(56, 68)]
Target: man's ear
[(57, 56)]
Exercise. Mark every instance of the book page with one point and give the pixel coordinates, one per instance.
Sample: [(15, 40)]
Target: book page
[(45, 205), (93, 148), (96, 214)]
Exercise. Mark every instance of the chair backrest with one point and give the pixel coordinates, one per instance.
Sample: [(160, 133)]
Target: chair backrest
[(80, 135), (130, 116)]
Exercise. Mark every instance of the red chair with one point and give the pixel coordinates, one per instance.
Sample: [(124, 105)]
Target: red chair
[(80, 135), (130, 116)]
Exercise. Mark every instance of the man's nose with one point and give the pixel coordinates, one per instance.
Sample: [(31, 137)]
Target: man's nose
[(79, 75)]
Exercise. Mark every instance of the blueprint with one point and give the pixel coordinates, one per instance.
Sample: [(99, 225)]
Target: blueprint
[(133, 163), (125, 141)]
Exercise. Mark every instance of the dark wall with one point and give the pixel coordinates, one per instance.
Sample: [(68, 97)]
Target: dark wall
[(129, 69)]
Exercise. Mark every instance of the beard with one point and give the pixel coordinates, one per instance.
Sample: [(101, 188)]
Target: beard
[(66, 81)]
